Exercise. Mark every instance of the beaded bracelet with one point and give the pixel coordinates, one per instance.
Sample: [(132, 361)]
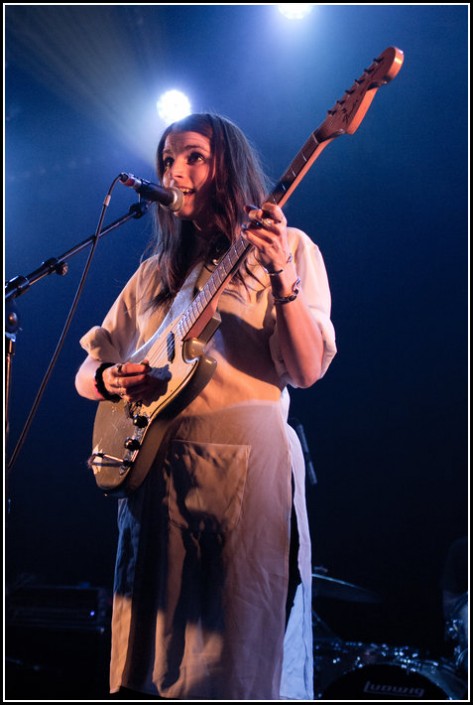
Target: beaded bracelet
[(100, 385), (291, 297), (273, 273)]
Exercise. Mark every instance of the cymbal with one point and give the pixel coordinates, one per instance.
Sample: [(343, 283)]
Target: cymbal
[(323, 586)]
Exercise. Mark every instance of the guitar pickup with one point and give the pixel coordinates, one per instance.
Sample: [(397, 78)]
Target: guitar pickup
[(171, 346)]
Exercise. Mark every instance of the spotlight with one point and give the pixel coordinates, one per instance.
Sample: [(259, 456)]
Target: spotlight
[(173, 105), (295, 11)]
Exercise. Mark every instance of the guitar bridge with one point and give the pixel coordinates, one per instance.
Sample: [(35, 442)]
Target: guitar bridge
[(109, 461)]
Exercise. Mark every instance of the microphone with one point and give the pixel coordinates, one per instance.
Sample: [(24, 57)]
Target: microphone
[(170, 198), (299, 429)]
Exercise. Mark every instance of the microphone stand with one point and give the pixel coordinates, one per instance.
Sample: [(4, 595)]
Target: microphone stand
[(20, 284), (11, 328)]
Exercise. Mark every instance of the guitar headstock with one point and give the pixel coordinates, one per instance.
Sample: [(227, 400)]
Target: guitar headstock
[(347, 114)]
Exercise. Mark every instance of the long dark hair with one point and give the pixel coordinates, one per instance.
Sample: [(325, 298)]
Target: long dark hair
[(238, 180)]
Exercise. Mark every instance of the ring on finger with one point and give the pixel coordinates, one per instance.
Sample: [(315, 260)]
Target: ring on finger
[(271, 221)]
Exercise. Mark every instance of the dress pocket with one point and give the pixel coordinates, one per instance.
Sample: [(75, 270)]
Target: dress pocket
[(206, 484)]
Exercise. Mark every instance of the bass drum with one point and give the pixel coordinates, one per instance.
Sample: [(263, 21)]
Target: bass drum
[(403, 679), (332, 657)]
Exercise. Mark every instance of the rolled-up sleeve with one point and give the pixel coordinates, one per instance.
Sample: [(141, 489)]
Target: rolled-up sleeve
[(117, 338), (311, 269)]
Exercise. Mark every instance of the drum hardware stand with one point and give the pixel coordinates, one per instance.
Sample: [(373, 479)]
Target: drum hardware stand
[(309, 465), (321, 628)]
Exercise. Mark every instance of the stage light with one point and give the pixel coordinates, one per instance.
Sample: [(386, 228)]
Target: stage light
[(295, 11), (173, 105)]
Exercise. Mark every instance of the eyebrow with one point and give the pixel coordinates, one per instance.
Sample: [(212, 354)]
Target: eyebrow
[(188, 147)]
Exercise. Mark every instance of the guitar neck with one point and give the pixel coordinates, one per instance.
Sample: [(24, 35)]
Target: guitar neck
[(344, 118), (297, 169), (204, 305)]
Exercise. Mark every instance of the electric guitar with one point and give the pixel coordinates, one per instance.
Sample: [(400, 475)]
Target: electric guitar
[(127, 436)]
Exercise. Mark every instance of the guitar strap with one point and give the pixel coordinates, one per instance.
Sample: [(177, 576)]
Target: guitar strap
[(216, 254), (205, 274)]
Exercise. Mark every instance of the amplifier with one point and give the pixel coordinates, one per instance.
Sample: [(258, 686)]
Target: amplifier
[(57, 642)]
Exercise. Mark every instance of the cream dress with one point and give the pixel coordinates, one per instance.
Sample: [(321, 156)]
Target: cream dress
[(202, 563)]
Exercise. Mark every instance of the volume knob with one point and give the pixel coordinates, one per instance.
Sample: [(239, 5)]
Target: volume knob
[(132, 444), (140, 421)]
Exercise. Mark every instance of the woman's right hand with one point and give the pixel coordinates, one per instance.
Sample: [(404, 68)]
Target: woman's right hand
[(135, 382)]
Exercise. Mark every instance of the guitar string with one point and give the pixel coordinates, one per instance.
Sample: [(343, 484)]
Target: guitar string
[(201, 301)]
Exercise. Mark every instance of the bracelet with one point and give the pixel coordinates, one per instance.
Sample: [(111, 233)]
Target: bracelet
[(291, 297), (100, 385), (273, 273)]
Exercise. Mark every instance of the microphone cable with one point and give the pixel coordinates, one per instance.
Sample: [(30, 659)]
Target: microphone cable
[(67, 324)]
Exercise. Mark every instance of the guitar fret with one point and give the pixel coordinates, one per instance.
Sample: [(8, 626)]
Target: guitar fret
[(211, 285), (296, 166), (216, 280), (191, 317), (198, 304), (281, 186), (222, 264), (217, 276)]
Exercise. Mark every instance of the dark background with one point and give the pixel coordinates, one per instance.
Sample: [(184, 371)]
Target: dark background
[(387, 427)]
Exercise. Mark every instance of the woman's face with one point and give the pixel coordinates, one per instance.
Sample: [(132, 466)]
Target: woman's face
[(187, 159)]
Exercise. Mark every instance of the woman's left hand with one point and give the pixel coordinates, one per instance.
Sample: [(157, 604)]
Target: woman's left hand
[(267, 231), (300, 337)]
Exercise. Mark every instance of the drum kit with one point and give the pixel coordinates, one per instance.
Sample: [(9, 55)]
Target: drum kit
[(457, 630), (346, 670)]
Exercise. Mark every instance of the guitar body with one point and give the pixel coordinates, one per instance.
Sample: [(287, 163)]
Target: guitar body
[(127, 437)]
